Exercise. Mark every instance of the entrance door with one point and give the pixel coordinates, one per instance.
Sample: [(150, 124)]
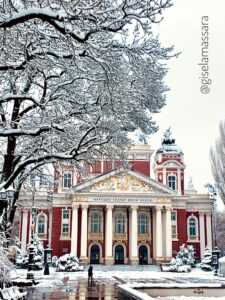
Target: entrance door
[(95, 254), (143, 255), (119, 255)]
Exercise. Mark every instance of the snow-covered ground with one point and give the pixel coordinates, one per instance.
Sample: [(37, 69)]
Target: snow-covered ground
[(130, 274)]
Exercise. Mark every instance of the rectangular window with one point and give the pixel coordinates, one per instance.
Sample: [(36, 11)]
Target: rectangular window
[(172, 182), (192, 231), (95, 228), (67, 180), (174, 224), (174, 231), (65, 222), (119, 228), (65, 228), (173, 216), (66, 214), (41, 228)]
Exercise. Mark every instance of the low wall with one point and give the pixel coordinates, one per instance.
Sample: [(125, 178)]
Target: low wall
[(150, 291)]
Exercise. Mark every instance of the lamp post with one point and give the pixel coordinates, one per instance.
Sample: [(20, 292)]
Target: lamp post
[(6, 196), (33, 214), (212, 196), (31, 248)]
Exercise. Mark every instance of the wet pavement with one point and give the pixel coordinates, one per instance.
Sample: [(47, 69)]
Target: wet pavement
[(79, 289), (105, 282), (103, 287)]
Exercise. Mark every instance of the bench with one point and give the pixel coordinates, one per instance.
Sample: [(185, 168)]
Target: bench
[(12, 293)]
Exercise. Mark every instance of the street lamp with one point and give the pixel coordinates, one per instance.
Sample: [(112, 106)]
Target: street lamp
[(212, 196), (6, 195)]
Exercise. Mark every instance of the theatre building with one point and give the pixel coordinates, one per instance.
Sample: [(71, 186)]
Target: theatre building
[(119, 216)]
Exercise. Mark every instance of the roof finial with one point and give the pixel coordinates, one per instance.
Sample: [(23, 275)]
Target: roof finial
[(167, 140)]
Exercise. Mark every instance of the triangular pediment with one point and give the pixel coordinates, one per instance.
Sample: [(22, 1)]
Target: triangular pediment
[(121, 181)]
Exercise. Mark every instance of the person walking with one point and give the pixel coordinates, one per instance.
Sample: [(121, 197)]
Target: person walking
[(90, 274)]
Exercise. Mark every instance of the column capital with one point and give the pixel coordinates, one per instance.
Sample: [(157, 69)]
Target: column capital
[(75, 206), (158, 208), (169, 208), (208, 213), (109, 207), (84, 206), (201, 213), (133, 208)]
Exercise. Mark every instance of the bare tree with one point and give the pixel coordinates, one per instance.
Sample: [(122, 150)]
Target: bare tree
[(220, 231), (76, 77), (217, 155)]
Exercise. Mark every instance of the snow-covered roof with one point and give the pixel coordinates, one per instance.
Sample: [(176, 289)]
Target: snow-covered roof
[(155, 185)]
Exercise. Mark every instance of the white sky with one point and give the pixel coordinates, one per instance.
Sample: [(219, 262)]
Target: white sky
[(194, 117)]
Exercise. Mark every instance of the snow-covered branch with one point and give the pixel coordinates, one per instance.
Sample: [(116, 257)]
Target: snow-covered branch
[(76, 78)]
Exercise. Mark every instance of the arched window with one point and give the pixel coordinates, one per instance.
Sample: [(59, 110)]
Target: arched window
[(143, 222), (41, 224), (192, 228), (119, 223), (95, 222), (172, 182)]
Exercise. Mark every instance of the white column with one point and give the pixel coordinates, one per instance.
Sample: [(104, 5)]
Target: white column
[(202, 234), (102, 167), (108, 233), (134, 225), (158, 233), (209, 230), (24, 231), (50, 228), (164, 175), (179, 182), (31, 225), (168, 234), (154, 232), (130, 232), (84, 233), (74, 229)]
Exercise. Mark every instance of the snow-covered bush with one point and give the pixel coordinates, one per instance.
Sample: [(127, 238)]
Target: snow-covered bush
[(206, 263), (55, 261), (68, 263), (184, 260), (37, 262), (5, 264), (22, 261)]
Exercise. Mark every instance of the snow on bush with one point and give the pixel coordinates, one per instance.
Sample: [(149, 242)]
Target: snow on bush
[(5, 264), (37, 263), (206, 263), (68, 263), (184, 260)]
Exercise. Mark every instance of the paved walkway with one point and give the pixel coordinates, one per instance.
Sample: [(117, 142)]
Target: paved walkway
[(106, 279), (103, 287)]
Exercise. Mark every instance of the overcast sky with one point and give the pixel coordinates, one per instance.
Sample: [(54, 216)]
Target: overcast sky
[(193, 116)]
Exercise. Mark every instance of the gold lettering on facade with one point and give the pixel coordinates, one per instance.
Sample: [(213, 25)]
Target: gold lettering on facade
[(80, 199), (164, 201)]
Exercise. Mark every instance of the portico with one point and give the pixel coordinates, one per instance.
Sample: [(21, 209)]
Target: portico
[(120, 224)]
